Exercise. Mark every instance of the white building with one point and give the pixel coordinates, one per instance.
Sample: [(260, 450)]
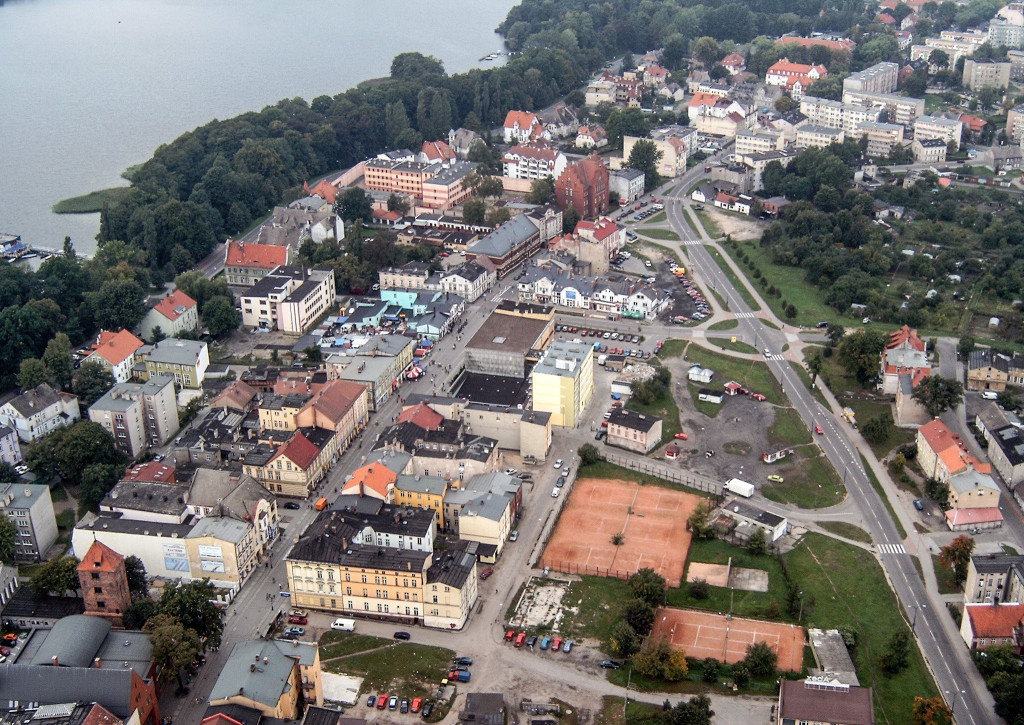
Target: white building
[(39, 411), (675, 144), (522, 126), (944, 129), (29, 507), (116, 352), (750, 141), (174, 314), (879, 78), (138, 415), (10, 451), (289, 299), (628, 183), (882, 137), (813, 136), (469, 281), (536, 160)]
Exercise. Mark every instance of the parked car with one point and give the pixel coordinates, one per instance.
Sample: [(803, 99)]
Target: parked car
[(545, 642), (427, 709), (392, 702), (382, 701), (296, 619), (610, 664), (758, 396), (294, 631), (486, 573), (292, 505), (416, 703), (560, 482), (510, 635), (567, 646), (556, 644), (404, 707), (402, 635), (558, 464), (514, 536), (918, 504), (371, 700), (554, 493), (531, 640), (775, 478), (511, 471), (464, 661)]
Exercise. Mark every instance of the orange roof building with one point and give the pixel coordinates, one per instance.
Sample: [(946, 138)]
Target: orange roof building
[(841, 44), (436, 151), (174, 314), (151, 471), (299, 451), (238, 396), (116, 352), (341, 406), (985, 625), (422, 416), (104, 583), (374, 479), (324, 189), (246, 263), (941, 453), (522, 126), (795, 77), (905, 353)]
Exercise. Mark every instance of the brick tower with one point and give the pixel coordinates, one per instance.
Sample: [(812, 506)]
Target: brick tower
[(104, 583)]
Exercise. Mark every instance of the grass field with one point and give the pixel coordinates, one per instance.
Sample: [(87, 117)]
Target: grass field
[(751, 374), (788, 429), (769, 323), (599, 610), (945, 578), (726, 343), (849, 531), (90, 203), (666, 234), (673, 348), (875, 484), (710, 227), (342, 644), (805, 377), (737, 283), (604, 469), (724, 325), (811, 484), (657, 218), (408, 670), (844, 586)]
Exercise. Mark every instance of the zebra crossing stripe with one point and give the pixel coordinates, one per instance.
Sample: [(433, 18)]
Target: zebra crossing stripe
[(892, 549)]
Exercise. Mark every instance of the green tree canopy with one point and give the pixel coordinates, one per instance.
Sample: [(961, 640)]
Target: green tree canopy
[(644, 156), (639, 615), (32, 372), (191, 603), (135, 570), (57, 359), (938, 394), (70, 451), (92, 380), (352, 204), (859, 353), (220, 316), (648, 585), (542, 191), (174, 646), (8, 537), (56, 576), (761, 660)]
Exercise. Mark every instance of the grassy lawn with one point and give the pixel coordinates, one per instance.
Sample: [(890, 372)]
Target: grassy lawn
[(885, 499), (710, 227), (722, 304), (341, 644), (726, 343), (769, 323), (666, 234), (849, 531), (91, 202), (657, 218), (739, 284), (944, 577), (611, 711), (810, 482), (663, 407), (805, 377), (673, 348), (751, 374), (708, 409), (411, 670), (788, 429), (724, 325), (844, 586), (58, 494), (599, 604)]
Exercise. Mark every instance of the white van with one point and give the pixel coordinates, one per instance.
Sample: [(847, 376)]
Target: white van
[(344, 625), (989, 394)]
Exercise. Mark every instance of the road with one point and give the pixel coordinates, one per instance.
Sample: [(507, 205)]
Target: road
[(955, 675)]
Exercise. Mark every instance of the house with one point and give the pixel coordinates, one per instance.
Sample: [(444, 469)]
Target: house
[(175, 313), (484, 509), (224, 549), (583, 186), (904, 353), (824, 702), (485, 708), (460, 140), (262, 675), (433, 151), (987, 370), (1007, 158), (560, 120), (989, 419), (995, 579), (942, 454), (633, 431), (675, 143), (184, 360), (773, 205), (238, 396), (733, 63), (786, 74), (909, 412), (411, 275), (971, 489), (929, 151), (138, 415), (830, 43), (342, 406), (973, 519), (697, 374), (470, 280), (522, 126), (750, 518), (710, 396), (289, 299), (1006, 451), (246, 264), (654, 76), (512, 242), (451, 588), (374, 480), (38, 412), (10, 451), (591, 137), (627, 183), (29, 507), (988, 625), (563, 382), (116, 352), (533, 160), (295, 467)]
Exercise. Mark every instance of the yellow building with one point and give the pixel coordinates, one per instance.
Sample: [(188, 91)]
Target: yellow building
[(451, 589), (223, 549), (422, 492), (184, 360), (972, 489), (296, 467), (279, 412), (563, 382), (262, 675)]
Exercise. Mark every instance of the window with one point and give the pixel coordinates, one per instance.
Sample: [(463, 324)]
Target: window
[(95, 575), (101, 604), (97, 590)]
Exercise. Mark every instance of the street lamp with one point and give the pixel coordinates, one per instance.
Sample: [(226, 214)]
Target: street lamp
[(800, 618), (629, 676)]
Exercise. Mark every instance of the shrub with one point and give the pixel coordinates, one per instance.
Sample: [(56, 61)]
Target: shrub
[(699, 589)]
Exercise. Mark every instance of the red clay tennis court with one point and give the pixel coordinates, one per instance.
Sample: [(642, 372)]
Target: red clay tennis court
[(704, 634), (654, 534)]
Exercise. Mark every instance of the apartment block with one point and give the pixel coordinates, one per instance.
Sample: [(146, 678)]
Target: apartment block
[(980, 74), (812, 136), (184, 360), (289, 299), (882, 137), (944, 129), (563, 382), (901, 109), (246, 264), (879, 78), (138, 415), (38, 412), (29, 507), (437, 185), (750, 141), (929, 151)]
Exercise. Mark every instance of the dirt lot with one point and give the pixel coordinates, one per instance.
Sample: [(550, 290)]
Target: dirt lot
[(739, 227)]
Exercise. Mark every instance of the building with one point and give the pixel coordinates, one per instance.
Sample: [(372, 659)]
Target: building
[(450, 591), (627, 183), (980, 74), (989, 625), (295, 467), (583, 186), (900, 109), (995, 579), (812, 136), (522, 126), (1006, 451), (734, 63), (591, 137), (831, 656), (116, 352), (748, 518), (411, 275), (563, 382), (751, 141), (823, 702), (104, 583), (1016, 58), (223, 550), (435, 151), (675, 144), (342, 407), (246, 264), (836, 114), (904, 353), (987, 370), (942, 454), (38, 412), (28, 506), (1015, 120), (483, 509), (879, 78), (882, 137), (1007, 158), (262, 675), (289, 299), (830, 43), (510, 244), (531, 161), (946, 129), (486, 708), (184, 360), (470, 280), (634, 431), (434, 185), (138, 415), (10, 451), (909, 412), (929, 151), (502, 345)]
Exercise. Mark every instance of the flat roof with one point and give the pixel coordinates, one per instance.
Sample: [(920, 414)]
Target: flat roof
[(508, 333)]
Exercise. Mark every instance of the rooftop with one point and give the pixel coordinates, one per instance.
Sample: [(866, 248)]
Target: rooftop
[(262, 256), (257, 668), (563, 359), (991, 621), (175, 351), (509, 333), (116, 347), (633, 420), (505, 238), (174, 305), (747, 511), (806, 701)]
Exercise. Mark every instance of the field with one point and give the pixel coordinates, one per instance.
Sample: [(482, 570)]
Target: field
[(726, 343), (739, 284), (810, 482), (751, 374), (408, 670), (656, 233), (648, 519)]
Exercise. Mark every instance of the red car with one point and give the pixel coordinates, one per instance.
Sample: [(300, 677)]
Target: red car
[(510, 635), (296, 619), (757, 396), (382, 700), (486, 572), (681, 436), (818, 430), (604, 424)]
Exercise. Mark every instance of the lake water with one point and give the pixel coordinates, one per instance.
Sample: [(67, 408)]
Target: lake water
[(90, 87)]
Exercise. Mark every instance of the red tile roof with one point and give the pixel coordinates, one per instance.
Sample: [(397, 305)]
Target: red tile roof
[(152, 471), (905, 336), (373, 476), (116, 347), (599, 230), (389, 214), (335, 399), (100, 715), (973, 122), (100, 557), (885, 19), (299, 450), (702, 99), (219, 719), (540, 150), (786, 67), (843, 44), (734, 60), (174, 305), (238, 396), (262, 256), (970, 517), (437, 151), (994, 620), (422, 416), (525, 119), (950, 448), (324, 189)]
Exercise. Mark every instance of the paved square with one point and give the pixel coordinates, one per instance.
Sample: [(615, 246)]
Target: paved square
[(651, 520)]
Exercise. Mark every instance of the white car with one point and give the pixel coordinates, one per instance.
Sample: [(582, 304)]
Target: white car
[(558, 464), (511, 471), (21, 469), (554, 493)]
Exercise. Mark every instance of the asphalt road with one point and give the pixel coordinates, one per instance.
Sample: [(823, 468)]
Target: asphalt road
[(955, 675)]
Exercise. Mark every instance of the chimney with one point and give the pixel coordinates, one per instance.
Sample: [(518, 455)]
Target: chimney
[(54, 662), (96, 663)]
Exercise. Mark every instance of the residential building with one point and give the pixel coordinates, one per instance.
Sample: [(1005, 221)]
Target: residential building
[(995, 579), (583, 186), (1002, 32), (784, 73), (879, 78), (342, 406), (263, 675), (836, 114), (450, 591), (374, 523), (514, 241), (882, 137), (830, 43), (29, 507), (483, 509), (426, 492), (904, 352), (1016, 58), (223, 550), (909, 412), (238, 397), (432, 151), (989, 419), (460, 139), (1007, 158), (279, 412), (971, 489), (534, 160), (634, 431), (1015, 121), (522, 126), (823, 702), (289, 299), (929, 151), (598, 91), (563, 382), (751, 141), (945, 129), (980, 74), (747, 518), (674, 142), (987, 370), (10, 451), (175, 313), (591, 137), (246, 264), (295, 467), (103, 582), (627, 183), (812, 136), (900, 109), (138, 415), (374, 480), (116, 352), (733, 63), (989, 625), (941, 453), (184, 360), (38, 412), (1006, 451), (411, 275), (469, 280), (755, 165)]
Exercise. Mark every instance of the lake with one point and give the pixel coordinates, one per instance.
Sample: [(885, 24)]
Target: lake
[(90, 87)]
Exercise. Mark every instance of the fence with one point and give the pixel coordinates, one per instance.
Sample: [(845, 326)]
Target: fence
[(684, 478), (572, 567)]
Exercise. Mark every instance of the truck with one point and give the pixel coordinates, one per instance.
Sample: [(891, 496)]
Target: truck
[(458, 676), (850, 417), (741, 488), (343, 625), (601, 359)]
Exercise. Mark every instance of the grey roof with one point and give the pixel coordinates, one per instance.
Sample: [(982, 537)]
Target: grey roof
[(23, 604), (164, 498), (998, 563), (394, 461), (238, 713), (452, 567), (451, 172), (326, 716), (486, 495), (304, 652), (118, 524), (5, 431), (986, 357), (563, 358), (633, 420), (484, 708), (931, 143), (422, 484), (832, 656), (1010, 443), (992, 416), (221, 528), (23, 495), (74, 641), (469, 271), (51, 685), (970, 480), (175, 351), (627, 173), (32, 401), (257, 668), (746, 510), (329, 540), (505, 238)]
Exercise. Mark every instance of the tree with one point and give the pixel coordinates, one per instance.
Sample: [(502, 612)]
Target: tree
[(57, 359), (56, 576), (930, 711), (658, 659), (761, 660), (118, 304), (589, 455), (648, 585), (353, 204), (639, 615), (938, 394), (474, 212), (623, 641), (644, 156), (91, 381), (174, 646), (490, 186), (814, 363), (97, 480), (138, 613), (135, 570), (707, 51), (878, 429), (699, 521), (313, 354), (220, 316), (835, 333), (192, 603), (498, 216), (699, 589), (756, 544), (695, 711), (415, 67), (626, 122), (858, 353), (542, 191), (8, 537), (709, 669), (570, 218), (966, 345), (31, 373), (896, 656), (740, 675), (7, 473), (956, 555), (398, 203)]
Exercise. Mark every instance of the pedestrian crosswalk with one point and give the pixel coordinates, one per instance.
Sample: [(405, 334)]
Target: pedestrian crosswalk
[(692, 243), (891, 549), (774, 357), (745, 315)]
